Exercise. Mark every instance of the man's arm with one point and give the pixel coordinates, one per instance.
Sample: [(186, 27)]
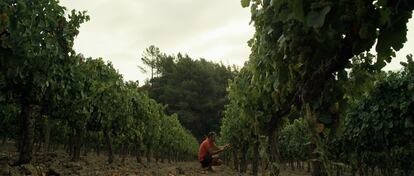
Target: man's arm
[(216, 150)]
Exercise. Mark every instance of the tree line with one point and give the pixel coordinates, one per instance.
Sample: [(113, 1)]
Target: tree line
[(193, 89)]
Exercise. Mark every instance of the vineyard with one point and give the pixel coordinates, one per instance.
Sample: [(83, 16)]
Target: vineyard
[(52, 96), (312, 96)]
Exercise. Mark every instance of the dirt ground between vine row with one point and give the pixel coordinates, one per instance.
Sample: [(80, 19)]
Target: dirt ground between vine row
[(58, 163)]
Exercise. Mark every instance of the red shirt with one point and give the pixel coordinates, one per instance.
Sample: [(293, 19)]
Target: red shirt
[(204, 146)]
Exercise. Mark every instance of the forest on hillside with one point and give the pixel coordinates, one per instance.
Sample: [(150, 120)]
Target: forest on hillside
[(195, 90)]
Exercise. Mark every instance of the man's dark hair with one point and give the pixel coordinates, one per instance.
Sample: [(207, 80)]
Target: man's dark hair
[(211, 134)]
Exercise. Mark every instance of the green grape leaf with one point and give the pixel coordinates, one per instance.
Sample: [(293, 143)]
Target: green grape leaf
[(317, 19), (297, 8), (245, 3), (325, 119)]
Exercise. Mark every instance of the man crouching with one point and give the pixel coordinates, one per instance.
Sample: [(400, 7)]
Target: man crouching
[(208, 152)]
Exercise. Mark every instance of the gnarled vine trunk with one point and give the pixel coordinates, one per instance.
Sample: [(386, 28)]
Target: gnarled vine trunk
[(109, 145), (148, 154), (255, 162), (243, 158), (77, 142), (124, 152), (235, 159), (48, 129), (26, 142), (318, 168), (317, 165), (274, 155), (138, 155)]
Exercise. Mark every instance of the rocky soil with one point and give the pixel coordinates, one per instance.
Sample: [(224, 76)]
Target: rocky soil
[(59, 163)]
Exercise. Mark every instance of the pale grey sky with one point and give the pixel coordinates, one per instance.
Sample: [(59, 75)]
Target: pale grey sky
[(217, 30), (120, 30)]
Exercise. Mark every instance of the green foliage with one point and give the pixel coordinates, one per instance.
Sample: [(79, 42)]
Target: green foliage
[(244, 118), (240, 122), (36, 41), (300, 55), (294, 140), (296, 60), (193, 89), (8, 122), (150, 58), (245, 3), (378, 126), (35, 52), (55, 91)]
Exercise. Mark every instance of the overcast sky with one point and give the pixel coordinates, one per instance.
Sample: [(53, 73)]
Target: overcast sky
[(217, 30)]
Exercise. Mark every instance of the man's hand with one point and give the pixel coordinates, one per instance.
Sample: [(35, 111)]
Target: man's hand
[(225, 147), (222, 148)]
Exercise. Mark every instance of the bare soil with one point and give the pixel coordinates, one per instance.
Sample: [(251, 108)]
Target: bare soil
[(59, 163)]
